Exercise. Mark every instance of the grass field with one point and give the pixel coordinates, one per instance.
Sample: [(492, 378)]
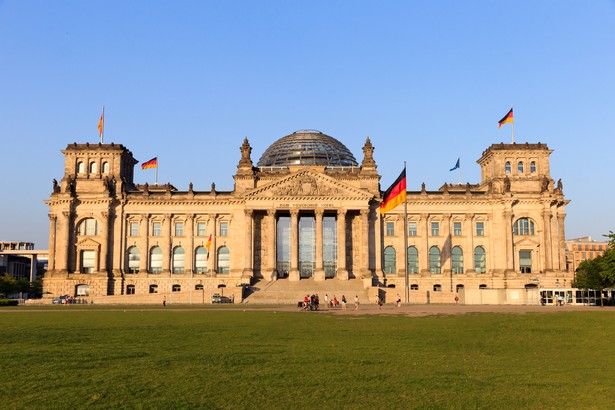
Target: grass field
[(212, 358)]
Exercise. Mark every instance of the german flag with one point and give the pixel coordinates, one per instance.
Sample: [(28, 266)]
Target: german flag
[(208, 246), (395, 195), (152, 163), (101, 122), (507, 118)]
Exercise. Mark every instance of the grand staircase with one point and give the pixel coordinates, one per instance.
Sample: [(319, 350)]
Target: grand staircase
[(283, 291)]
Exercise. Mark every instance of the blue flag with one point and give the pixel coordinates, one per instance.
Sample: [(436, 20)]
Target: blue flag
[(457, 165)]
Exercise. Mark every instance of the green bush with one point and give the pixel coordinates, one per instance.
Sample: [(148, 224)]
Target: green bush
[(8, 302)]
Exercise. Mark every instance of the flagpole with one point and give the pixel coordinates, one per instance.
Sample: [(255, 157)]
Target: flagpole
[(102, 128), (513, 131), (406, 244), (157, 162), (460, 173)]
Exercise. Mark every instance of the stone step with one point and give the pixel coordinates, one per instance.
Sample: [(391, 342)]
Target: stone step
[(284, 291)]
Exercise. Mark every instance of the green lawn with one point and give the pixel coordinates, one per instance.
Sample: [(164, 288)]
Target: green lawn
[(213, 358)]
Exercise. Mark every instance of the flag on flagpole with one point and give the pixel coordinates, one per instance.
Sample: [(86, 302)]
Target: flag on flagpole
[(457, 165), (101, 123), (152, 163), (208, 246), (395, 195), (507, 118)]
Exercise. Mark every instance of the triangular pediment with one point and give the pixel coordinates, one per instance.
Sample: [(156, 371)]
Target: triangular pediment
[(527, 242), (88, 243), (308, 184)]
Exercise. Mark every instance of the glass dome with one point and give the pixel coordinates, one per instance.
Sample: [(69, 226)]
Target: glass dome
[(307, 147)]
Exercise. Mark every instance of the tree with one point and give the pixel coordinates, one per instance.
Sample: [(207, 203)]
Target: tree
[(8, 284), (598, 273)]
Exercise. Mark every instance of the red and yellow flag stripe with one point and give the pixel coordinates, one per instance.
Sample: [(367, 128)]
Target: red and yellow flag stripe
[(395, 195)]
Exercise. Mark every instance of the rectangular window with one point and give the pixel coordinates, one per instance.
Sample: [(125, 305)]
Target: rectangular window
[(480, 229), (525, 261), (435, 228), (179, 229), (223, 228), (134, 229), (88, 261), (200, 229), (457, 228), (411, 228), (156, 229), (390, 229)]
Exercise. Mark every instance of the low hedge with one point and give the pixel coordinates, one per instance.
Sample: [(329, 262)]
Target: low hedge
[(8, 302)]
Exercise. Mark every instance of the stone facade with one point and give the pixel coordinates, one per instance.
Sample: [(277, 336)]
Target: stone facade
[(112, 237)]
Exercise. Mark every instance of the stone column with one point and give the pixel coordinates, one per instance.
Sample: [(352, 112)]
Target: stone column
[(448, 245), (294, 275), (166, 244), (547, 245), (271, 253), (189, 234), (561, 241), (424, 248), (342, 271), (509, 246), (248, 271), (104, 246), (51, 262), (319, 273), (211, 257), (468, 254), (63, 260), (144, 231), (366, 274)]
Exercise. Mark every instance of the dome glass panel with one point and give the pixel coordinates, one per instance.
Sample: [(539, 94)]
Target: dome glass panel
[(307, 147)]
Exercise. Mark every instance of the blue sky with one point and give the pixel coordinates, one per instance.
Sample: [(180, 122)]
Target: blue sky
[(186, 81)]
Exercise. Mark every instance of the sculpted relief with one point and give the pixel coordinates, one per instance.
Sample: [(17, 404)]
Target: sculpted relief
[(305, 185)]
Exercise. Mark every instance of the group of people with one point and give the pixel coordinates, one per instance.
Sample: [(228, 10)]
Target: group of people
[(312, 302)]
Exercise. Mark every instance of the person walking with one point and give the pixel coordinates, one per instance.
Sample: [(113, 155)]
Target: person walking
[(398, 301), (343, 302), (356, 302)]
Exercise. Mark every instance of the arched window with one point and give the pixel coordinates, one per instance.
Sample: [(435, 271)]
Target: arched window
[(199, 287), (155, 260), (105, 168), (389, 260), (88, 261), (153, 288), (200, 260), (80, 167), (413, 260), (507, 167), (480, 265), (458, 288), (130, 289), (533, 167), (179, 259), (457, 258), (414, 287), (177, 288), (520, 167), (224, 260), (88, 227), (483, 286), (134, 259), (437, 287), (434, 260), (93, 168), (523, 226)]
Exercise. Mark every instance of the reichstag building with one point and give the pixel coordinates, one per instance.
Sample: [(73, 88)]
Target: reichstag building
[(306, 214)]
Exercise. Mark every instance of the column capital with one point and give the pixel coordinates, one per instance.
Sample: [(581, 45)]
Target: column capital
[(271, 212), (52, 217), (294, 212), (342, 211), (248, 212), (319, 212)]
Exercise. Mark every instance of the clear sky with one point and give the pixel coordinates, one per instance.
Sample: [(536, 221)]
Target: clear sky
[(186, 81)]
